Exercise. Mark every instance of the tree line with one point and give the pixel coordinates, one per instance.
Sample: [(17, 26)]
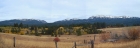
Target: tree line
[(58, 30)]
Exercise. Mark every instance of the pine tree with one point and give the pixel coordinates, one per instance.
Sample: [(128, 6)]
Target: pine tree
[(79, 32), (36, 32), (15, 24), (21, 25), (0, 30)]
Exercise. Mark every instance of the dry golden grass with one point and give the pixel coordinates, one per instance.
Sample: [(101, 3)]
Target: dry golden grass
[(66, 41), (24, 41), (39, 42)]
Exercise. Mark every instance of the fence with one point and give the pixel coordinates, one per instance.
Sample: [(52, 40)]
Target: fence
[(85, 43), (90, 43)]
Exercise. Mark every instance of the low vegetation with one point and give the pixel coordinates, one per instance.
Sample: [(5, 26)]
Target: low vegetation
[(134, 33), (42, 37)]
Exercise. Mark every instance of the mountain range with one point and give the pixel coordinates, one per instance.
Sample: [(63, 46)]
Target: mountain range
[(23, 21), (126, 20)]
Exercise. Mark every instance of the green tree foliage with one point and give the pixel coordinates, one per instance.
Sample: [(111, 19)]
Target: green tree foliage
[(78, 32), (32, 28), (18, 30), (36, 31), (99, 25), (0, 29), (61, 31), (12, 30), (52, 34), (43, 31), (15, 24), (15, 30), (21, 25), (52, 31), (69, 31), (116, 25), (136, 24)]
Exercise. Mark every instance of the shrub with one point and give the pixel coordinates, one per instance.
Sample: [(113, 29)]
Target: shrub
[(36, 34), (99, 31), (124, 35), (52, 34), (133, 33), (114, 35), (15, 30), (78, 32), (0, 30), (104, 36), (40, 35), (22, 33)]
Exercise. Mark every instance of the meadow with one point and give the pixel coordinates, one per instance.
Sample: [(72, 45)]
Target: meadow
[(66, 41)]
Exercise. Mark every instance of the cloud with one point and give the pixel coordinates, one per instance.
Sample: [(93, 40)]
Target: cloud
[(113, 7), (54, 10)]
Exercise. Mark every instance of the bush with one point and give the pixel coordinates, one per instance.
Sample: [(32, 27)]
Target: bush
[(22, 33), (79, 32), (114, 35), (104, 36), (124, 35), (133, 33), (52, 34), (15, 30), (36, 34), (0, 30)]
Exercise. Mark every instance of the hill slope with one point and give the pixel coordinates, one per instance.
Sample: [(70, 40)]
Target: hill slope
[(23, 21), (106, 19), (109, 20)]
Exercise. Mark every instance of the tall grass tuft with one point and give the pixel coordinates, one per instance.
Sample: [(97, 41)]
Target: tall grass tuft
[(134, 33)]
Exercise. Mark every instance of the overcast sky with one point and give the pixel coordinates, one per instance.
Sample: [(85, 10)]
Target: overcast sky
[(54, 10)]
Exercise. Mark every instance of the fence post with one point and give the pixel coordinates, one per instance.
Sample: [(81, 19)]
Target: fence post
[(56, 44), (14, 42), (75, 44), (92, 44), (84, 41), (94, 37)]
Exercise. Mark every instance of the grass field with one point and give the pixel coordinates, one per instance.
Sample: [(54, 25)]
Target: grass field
[(66, 41)]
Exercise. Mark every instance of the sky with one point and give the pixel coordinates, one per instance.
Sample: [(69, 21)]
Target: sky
[(55, 10)]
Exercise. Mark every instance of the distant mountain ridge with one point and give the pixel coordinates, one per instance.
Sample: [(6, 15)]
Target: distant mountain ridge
[(24, 21), (102, 18), (126, 20)]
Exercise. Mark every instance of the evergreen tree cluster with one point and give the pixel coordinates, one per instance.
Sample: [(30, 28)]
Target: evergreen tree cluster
[(0, 29), (18, 25), (71, 29), (15, 30)]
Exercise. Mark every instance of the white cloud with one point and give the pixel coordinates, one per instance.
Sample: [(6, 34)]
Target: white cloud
[(53, 10), (112, 7)]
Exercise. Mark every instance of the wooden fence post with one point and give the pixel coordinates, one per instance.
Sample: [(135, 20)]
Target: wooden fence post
[(94, 37), (14, 42), (92, 44), (56, 44), (75, 44), (84, 41)]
